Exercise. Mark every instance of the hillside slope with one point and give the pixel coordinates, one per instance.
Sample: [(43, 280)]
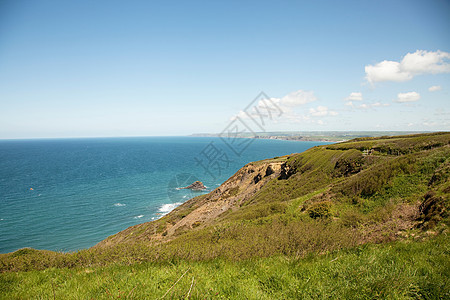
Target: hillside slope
[(400, 270), (362, 182), (367, 190)]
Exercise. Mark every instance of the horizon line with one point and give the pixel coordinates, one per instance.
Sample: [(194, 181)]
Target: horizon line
[(206, 133)]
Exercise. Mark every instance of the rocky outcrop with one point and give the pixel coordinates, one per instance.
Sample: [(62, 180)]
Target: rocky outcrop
[(196, 186), (286, 172), (257, 178), (269, 171)]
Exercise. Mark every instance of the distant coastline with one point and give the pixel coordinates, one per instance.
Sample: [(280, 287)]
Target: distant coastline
[(312, 136)]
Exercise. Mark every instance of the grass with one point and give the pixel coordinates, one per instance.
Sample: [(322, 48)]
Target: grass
[(396, 145), (401, 270)]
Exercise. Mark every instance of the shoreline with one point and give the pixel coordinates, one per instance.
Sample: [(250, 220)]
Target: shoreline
[(313, 136)]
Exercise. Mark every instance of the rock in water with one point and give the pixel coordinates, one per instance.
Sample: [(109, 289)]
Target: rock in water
[(198, 185)]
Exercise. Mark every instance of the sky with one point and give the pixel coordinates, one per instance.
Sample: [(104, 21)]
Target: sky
[(164, 68)]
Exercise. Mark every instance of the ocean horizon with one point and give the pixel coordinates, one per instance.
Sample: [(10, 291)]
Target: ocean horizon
[(67, 194)]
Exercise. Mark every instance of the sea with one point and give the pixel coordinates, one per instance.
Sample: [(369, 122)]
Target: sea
[(69, 194)]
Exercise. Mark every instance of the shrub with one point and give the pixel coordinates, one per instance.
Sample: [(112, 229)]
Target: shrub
[(352, 218), (320, 210), (351, 162), (432, 210)]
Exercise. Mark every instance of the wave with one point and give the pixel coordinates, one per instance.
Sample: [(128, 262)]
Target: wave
[(138, 217), (166, 208), (119, 204)]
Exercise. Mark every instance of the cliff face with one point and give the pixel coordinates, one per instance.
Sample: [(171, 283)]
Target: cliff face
[(203, 210), (373, 189), (230, 195)]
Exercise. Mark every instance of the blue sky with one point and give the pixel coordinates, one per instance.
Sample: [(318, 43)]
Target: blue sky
[(138, 68)]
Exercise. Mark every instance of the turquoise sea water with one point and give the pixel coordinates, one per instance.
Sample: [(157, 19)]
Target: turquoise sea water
[(68, 194)]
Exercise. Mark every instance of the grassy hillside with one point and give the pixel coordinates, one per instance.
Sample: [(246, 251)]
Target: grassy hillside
[(311, 211), (402, 270)]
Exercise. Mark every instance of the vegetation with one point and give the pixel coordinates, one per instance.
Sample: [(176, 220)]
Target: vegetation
[(305, 225), (402, 270)]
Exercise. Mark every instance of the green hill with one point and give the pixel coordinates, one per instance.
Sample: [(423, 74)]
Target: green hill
[(321, 211)]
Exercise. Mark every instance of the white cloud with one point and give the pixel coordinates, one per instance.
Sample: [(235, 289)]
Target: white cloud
[(272, 107), (363, 106), (297, 98), (412, 64), (321, 111), (435, 88), (354, 97), (407, 97), (386, 71), (366, 105), (378, 104), (422, 62), (292, 110)]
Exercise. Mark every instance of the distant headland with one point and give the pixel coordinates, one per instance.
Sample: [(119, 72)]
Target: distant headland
[(316, 136)]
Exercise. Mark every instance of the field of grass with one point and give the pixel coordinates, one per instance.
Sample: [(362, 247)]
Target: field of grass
[(401, 270)]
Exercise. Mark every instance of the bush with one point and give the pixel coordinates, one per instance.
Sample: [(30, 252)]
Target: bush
[(352, 218), (432, 210), (320, 210), (351, 162), (368, 183)]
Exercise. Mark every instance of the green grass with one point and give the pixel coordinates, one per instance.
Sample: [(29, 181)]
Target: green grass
[(402, 270), (396, 145), (314, 171)]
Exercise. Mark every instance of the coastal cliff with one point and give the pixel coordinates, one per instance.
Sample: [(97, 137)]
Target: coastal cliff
[(331, 197), (360, 191), (301, 226)]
